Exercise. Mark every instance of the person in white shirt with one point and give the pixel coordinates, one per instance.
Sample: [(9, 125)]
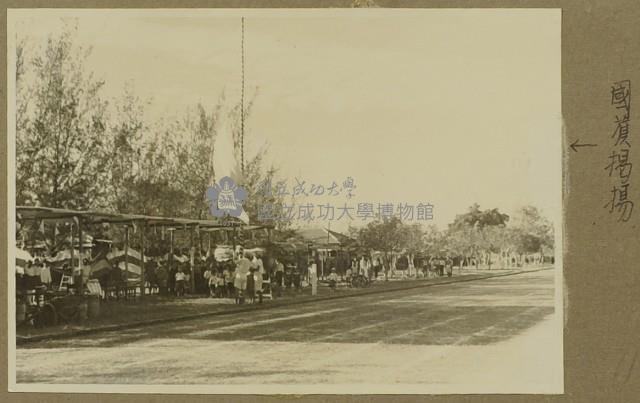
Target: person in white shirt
[(364, 266), (333, 279), (180, 282), (243, 266), (258, 275)]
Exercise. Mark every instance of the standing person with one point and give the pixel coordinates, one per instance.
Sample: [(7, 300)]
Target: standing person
[(211, 281), (364, 267), (45, 275), (258, 264), (288, 277), (258, 280), (296, 278), (180, 280), (251, 285), (313, 277), (348, 276), (228, 275), (376, 267), (220, 285), (162, 275), (207, 275), (278, 278), (186, 269), (243, 266), (279, 273), (258, 276), (333, 279)]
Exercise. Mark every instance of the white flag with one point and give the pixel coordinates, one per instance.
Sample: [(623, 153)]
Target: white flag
[(227, 158)]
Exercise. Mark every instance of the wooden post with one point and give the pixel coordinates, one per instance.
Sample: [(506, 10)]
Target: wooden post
[(142, 276), (192, 252), (80, 249), (73, 268), (126, 257), (233, 242), (170, 250)]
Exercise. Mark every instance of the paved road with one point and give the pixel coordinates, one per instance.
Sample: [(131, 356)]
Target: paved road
[(474, 333)]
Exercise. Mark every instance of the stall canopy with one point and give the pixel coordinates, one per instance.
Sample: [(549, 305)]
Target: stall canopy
[(322, 237)]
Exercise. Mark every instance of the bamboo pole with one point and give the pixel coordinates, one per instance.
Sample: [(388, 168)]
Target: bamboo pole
[(191, 260), (142, 276), (80, 249), (126, 256)]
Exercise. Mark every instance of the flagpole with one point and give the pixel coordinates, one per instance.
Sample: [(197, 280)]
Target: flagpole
[(242, 105)]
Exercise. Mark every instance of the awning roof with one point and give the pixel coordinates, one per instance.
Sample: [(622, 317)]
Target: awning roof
[(96, 217), (324, 237)]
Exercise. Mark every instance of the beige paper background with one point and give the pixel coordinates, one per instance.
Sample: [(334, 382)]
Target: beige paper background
[(599, 45)]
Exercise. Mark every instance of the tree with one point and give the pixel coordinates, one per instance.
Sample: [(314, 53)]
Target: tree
[(533, 232), (62, 152), (435, 240), (125, 147), (384, 235), (478, 232), (194, 158), (23, 92), (413, 241)]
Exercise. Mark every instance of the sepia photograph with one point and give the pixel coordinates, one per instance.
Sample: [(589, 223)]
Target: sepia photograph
[(285, 201)]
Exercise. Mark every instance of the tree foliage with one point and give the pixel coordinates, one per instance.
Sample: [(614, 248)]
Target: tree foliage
[(74, 149), (61, 152)]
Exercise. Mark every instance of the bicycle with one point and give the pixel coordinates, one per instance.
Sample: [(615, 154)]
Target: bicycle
[(360, 281)]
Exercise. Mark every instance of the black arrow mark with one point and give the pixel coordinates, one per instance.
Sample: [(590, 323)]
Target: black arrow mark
[(574, 146)]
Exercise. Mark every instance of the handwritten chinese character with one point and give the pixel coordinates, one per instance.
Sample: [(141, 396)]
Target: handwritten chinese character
[(620, 162), (298, 189), (621, 133), (620, 202), (281, 189), (316, 190), (349, 186), (621, 98), (333, 189)]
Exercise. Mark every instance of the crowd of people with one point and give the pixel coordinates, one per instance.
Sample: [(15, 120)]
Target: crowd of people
[(245, 276)]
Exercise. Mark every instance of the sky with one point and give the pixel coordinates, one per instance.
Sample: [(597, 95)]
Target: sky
[(445, 107)]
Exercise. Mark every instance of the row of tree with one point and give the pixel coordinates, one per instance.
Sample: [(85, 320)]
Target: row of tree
[(475, 236)]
